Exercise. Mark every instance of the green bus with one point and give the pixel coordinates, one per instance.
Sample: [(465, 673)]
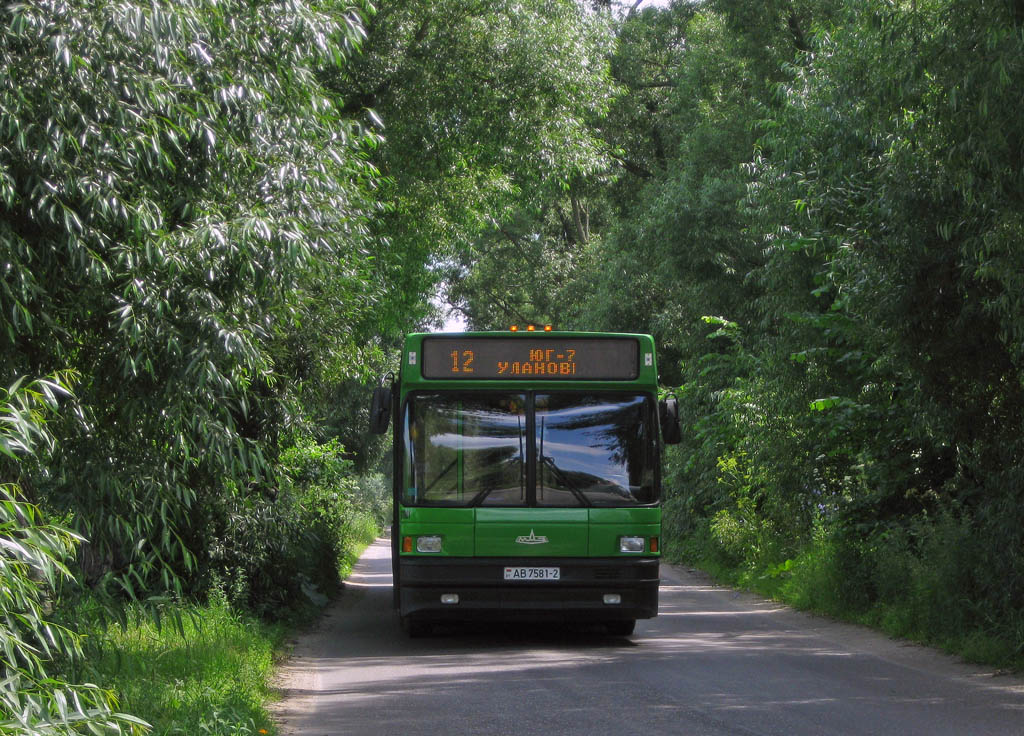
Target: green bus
[(527, 478)]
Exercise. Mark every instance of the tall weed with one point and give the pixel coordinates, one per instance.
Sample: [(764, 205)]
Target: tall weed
[(200, 669), (926, 575)]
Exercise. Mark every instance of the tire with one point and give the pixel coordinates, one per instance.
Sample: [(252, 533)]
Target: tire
[(621, 628), (415, 628)]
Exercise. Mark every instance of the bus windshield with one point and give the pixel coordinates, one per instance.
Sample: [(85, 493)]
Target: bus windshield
[(554, 449)]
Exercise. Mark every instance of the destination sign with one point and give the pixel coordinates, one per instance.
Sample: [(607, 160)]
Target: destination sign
[(487, 358)]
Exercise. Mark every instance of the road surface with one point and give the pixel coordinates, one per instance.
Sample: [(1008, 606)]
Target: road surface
[(713, 662)]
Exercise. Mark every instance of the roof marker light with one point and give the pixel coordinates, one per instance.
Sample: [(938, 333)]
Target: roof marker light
[(514, 328), (547, 328), (530, 328)]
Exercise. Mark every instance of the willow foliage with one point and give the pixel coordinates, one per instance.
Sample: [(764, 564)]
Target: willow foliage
[(179, 202), (33, 569)]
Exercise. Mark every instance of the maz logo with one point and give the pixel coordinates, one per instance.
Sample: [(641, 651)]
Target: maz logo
[(532, 539)]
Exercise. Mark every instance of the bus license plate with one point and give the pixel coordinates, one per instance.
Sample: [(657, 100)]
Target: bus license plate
[(532, 573)]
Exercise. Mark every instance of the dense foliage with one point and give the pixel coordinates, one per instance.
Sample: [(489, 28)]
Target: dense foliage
[(217, 217), (184, 239), (488, 110), (184, 226), (204, 236), (815, 207), (34, 568)]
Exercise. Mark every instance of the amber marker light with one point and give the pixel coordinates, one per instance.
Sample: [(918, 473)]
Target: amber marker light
[(530, 328), (547, 328), (514, 328), (654, 544), (407, 544)]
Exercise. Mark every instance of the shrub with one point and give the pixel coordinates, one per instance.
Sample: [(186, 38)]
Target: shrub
[(268, 555)]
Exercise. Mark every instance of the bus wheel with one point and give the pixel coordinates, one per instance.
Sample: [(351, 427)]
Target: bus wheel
[(621, 628), (415, 628)]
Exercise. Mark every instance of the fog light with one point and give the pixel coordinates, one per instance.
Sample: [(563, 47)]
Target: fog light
[(428, 544), (632, 545), (450, 599), (612, 599)]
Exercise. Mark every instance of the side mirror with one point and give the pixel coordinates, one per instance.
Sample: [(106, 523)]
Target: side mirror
[(380, 410), (668, 410)]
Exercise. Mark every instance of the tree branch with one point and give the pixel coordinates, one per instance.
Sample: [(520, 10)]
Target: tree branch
[(632, 167), (577, 218), (798, 35), (654, 85), (568, 232)]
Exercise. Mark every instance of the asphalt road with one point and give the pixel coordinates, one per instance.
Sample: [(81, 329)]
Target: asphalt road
[(713, 662)]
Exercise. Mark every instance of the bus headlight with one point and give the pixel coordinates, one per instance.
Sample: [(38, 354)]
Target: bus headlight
[(632, 545), (428, 544)]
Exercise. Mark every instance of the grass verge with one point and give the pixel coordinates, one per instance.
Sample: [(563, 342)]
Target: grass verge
[(361, 532), (891, 590), (202, 670)]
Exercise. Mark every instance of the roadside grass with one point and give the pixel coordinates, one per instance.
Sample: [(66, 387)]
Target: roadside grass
[(362, 530), (202, 670), (880, 589)]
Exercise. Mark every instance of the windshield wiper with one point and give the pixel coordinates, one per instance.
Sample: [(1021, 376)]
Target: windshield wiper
[(564, 480), (440, 475)]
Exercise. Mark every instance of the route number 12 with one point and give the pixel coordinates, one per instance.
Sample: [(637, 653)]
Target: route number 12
[(467, 361)]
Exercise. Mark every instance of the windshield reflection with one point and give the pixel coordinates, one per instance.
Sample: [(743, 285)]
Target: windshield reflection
[(587, 450), (465, 450), (594, 450)]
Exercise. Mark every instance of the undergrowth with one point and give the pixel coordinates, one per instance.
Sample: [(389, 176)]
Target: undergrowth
[(200, 670), (204, 669), (921, 583)]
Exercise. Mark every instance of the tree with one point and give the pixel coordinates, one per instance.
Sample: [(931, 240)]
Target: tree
[(176, 188), (487, 109), (898, 145)]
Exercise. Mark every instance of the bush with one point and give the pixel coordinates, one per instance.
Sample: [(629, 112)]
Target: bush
[(267, 555), (927, 576), (830, 575), (927, 579)]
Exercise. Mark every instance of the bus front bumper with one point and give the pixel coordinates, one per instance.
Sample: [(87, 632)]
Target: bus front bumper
[(604, 589)]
